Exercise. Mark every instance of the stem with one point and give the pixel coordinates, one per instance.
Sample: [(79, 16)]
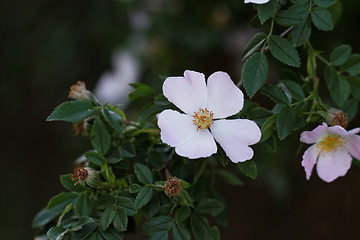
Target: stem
[(197, 176)]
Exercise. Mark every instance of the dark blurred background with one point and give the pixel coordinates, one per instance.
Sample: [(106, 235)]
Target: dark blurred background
[(46, 46)]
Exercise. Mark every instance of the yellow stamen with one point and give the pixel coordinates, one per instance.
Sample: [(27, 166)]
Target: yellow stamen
[(203, 118), (332, 143)]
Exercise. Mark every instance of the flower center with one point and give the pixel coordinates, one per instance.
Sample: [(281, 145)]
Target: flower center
[(203, 118), (172, 186), (80, 174), (332, 143)]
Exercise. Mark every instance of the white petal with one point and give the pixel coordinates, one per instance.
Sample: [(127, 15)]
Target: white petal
[(224, 97), (354, 146), (176, 128), (309, 160), (188, 93), (234, 136), (314, 135), (256, 1), (201, 145), (333, 165)]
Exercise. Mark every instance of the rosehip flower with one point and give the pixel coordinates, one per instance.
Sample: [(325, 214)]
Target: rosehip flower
[(84, 175), (331, 151), (205, 106), (256, 1)]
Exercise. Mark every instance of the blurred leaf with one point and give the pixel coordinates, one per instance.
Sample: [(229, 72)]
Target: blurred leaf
[(182, 214), (210, 206), (355, 86), (141, 90), (184, 198), (127, 150), (157, 224), (180, 233), (100, 137), (69, 184), (162, 235), (120, 220), (72, 111), (114, 119), (143, 173), (248, 168), (269, 145), (324, 3), (254, 43), (42, 218), (94, 158), (143, 197), (268, 127), (350, 107), (338, 86), (57, 233), (340, 55), (152, 207), (221, 156), (202, 230), (301, 33), (112, 234), (283, 51), (352, 66), (58, 203), (135, 188), (293, 16), (254, 73), (82, 205), (265, 11), (96, 236), (285, 121), (229, 177), (322, 19), (275, 93)]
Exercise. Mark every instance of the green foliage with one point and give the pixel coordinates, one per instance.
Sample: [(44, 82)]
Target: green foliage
[(143, 173), (254, 44), (248, 168), (265, 11), (322, 19), (293, 16), (202, 229), (340, 55), (283, 51), (100, 137), (285, 121), (73, 111), (301, 33), (338, 86)]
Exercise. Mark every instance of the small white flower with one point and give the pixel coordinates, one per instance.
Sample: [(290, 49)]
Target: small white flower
[(205, 107), (256, 1)]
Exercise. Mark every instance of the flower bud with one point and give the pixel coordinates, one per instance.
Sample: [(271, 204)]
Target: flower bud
[(85, 175), (172, 186)]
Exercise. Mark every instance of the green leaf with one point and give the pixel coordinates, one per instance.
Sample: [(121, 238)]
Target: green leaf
[(210, 206), (72, 111), (82, 205), (182, 214), (113, 118), (94, 158), (301, 33), (350, 107), (267, 128), (338, 86), (107, 216), (293, 16), (157, 224), (295, 89), (355, 86), (100, 137), (127, 150), (58, 203), (229, 177), (152, 207), (255, 42), (163, 235), (127, 204), (324, 3), (259, 115), (69, 184), (275, 93), (143, 173), (283, 51), (180, 233), (135, 188), (322, 19), (141, 90), (265, 11), (352, 66), (184, 198), (143, 197), (340, 55), (221, 156), (202, 230), (269, 145), (254, 73), (285, 121), (248, 168), (57, 233), (42, 218), (96, 236), (120, 220), (112, 234)]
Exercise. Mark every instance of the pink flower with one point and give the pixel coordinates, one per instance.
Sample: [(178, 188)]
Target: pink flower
[(332, 151), (256, 1), (205, 106)]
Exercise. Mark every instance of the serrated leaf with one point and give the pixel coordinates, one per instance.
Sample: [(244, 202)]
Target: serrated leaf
[(94, 158), (112, 234), (301, 33), (265, 11), (82, 205), (42, 218), (202, 230), (295, 89), (114, 119), (152, 207), (352, 66), (128, 205), (107, 216), (322, 19), (58, 203), (210, 206), (324, 3), (57, 233), (283, 51), (254, 43), (293, 16), (72, 111), (182, 214), (69, 184), (275, 93), (248, 168), (157, 224), (100, 137), (229, 177), (143, 197), (340, 55), (96, 236), (254, 73), (141, 90), (143, 173), (285, 121), (180, 233), (120, 220), (267, 128), (338, 86)]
